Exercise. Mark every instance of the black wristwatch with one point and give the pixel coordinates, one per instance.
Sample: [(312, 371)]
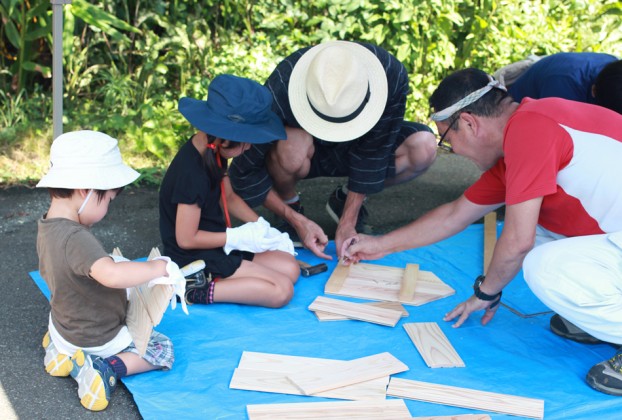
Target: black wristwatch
[(481, 295)]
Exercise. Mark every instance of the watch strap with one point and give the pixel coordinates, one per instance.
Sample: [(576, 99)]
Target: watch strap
[(481, 295)]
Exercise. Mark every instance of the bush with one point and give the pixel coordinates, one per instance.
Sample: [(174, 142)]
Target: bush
[(126, 63)]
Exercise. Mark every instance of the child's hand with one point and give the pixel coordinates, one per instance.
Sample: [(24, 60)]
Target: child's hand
[(176, 279)]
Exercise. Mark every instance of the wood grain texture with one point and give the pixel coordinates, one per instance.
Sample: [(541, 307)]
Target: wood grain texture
[(379, 282), (433, 345), (467, 398), (314, 380), (364, 410), (409, 282), (396, 306), (277, 382), (456, 417), (146, 307), (356, 311), (490, 238)]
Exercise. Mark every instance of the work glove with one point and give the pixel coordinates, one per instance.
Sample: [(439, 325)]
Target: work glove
[(283, 242), (176, 279), (253, 237)]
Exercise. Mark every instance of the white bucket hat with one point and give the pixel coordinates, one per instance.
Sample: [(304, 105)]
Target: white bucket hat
[(87, 160), (338, 91)]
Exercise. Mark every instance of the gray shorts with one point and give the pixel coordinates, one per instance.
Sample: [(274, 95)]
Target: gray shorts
[(159, 351)]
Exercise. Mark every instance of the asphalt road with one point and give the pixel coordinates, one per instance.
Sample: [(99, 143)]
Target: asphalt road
[(27, 391)]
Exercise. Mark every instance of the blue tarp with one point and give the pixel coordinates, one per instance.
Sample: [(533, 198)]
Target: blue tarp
[(511, 355)]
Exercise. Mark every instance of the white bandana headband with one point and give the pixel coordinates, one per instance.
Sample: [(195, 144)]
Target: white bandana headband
[(467, 100)]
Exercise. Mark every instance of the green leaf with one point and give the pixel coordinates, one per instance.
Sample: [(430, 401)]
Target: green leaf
[(44, 70), (39, 10), (12, 34), (37, 33)]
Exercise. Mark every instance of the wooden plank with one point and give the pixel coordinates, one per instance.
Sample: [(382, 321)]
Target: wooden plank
[(357, 311), (433, 345), (409, 281), (379, 282), (277, 382), (275, 368), (338, 277), (456, 417), (396, 306), (467, 398), (490, 238), (282, 363), (146, 308), (314, 380), (364, 410)]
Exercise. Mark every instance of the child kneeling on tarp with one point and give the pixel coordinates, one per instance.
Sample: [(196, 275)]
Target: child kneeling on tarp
[(87, 334)]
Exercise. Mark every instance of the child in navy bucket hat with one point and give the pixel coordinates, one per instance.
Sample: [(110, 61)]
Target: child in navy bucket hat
[(253, 263)]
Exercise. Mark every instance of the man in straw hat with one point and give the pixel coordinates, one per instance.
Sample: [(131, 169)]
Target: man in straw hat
[(555, 164), (343, 106)]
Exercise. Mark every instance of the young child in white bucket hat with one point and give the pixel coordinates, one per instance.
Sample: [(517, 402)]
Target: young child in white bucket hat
[(252, 264), (87, 336)]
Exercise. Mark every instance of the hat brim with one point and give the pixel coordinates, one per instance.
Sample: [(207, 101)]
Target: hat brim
[(103, 178), (342, 131), (201, 117)]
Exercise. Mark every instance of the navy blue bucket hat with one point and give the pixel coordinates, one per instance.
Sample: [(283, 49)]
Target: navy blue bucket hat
[(236, 109)]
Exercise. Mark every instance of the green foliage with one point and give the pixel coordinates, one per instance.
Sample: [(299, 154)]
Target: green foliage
[(126, 62), (23, 33)]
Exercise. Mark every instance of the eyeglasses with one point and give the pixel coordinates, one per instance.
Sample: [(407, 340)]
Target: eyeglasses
[(444, 144)]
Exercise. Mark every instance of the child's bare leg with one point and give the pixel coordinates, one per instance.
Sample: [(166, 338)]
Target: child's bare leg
[(136, 364), (257, 284)]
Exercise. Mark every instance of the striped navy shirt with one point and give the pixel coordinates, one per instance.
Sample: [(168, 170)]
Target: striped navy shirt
[(368, 159)]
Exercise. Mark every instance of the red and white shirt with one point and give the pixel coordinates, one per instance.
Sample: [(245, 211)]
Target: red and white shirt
[(568, 152)]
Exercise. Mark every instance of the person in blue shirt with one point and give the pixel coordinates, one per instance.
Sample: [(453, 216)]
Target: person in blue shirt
[(594, 78)]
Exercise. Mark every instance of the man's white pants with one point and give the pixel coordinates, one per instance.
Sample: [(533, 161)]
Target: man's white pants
[(580, 278)]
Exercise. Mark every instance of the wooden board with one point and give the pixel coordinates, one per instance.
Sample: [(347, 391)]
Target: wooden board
[(146, 307), (409, 282), (396, 306), (433, 345), (314, 380), (277, 366), (357, 311), (490, 238), (364, 410), (277, 382), (380, 282), (456, 417), (467, 398)]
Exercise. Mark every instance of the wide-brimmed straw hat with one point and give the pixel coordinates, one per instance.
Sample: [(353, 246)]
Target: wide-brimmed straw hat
[(338, 91), (87, 160), (236, 109)]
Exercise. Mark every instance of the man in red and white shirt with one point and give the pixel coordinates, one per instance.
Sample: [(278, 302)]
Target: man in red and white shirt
[(556, 165)]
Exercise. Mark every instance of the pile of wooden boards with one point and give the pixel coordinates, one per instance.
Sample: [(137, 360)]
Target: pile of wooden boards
[(391, 286)]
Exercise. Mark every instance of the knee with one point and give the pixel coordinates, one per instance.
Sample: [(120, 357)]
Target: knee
[(282, 294), (293, 153), (425, 149), (421, 149)]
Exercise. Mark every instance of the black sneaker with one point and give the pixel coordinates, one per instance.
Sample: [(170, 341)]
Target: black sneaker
[(285, 227), (566, 329), (607, 376), (196, 281), (335, 204)]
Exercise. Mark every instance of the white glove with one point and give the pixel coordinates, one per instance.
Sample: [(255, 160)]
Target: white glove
[(284, 243), (251, 237), (176, 279)]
